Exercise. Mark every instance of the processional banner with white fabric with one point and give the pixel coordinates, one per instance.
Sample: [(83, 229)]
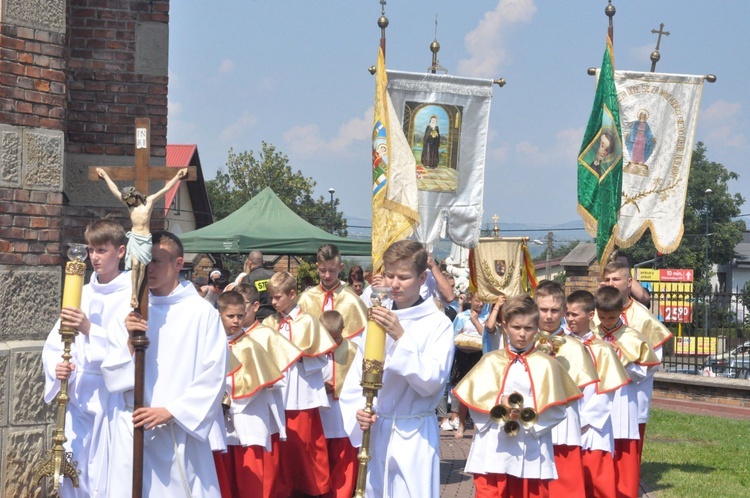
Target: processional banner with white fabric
[(658, 114), (445, 120)]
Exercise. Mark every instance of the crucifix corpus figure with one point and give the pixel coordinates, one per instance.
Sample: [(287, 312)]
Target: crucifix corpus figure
[(138, 253)]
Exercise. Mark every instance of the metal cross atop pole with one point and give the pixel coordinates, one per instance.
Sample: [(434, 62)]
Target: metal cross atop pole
[(140, 205), (655, 55)]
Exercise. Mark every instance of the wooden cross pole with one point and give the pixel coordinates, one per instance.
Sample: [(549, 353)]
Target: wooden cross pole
[(140, 214)]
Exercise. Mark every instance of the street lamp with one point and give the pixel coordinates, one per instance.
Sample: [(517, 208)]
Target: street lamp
[(331, 191), (708, 192)]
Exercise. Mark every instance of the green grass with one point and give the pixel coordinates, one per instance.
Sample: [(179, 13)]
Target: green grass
[(696, 456)]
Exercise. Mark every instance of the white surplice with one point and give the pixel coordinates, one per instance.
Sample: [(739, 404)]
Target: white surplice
[(404, 441), (528, 454), (186, 364), (85, 419), (625, 404)]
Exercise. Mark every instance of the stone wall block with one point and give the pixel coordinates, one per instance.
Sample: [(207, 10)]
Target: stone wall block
[(43, 159), (48, 15), (4, 383), (27, 386), (30, 297), (22, 451), (10, 156)]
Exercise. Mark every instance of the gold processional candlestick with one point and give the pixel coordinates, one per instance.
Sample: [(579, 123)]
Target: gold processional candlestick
[(59, 464), (372, 379)]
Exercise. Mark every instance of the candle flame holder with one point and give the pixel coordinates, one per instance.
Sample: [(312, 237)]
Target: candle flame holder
[(59, 463), (372, 379)]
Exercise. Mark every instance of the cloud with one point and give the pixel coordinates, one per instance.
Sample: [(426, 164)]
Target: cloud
[(235, 130), (563, 150), (174, 108), (226, 66), (307, 139), (641, 56), (485, 43), (722, 120)]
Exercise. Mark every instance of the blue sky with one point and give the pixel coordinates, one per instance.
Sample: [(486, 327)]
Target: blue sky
[(294, 74)]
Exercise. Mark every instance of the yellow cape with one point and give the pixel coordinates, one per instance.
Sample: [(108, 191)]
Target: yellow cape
[(612, 374), (482, 387), (253, 367), (637, 317), (283, 353), (343, 357), (345, 301), (577, 362), (632, 346), (306, 333)]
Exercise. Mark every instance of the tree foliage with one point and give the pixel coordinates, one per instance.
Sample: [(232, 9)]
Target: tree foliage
[(247, 174), (722, 209)]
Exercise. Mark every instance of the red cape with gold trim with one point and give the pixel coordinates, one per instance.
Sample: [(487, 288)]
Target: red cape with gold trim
[(482, 387), (306, 333), (251, 367), (283, 353), (345, 301)]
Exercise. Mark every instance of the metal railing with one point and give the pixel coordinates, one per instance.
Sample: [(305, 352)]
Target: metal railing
[(711, 332)]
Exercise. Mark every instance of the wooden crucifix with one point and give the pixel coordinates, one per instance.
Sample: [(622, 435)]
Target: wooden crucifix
[(140, 205)]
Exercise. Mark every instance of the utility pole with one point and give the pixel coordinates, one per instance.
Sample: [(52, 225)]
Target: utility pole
[(550, 246)]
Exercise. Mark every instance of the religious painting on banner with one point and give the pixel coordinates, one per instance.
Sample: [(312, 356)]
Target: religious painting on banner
[(501, 266), (445, 120), (658, 114), (435, 152)]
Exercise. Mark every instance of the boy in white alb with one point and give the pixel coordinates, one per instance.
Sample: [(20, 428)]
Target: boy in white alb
[(637, 357), (284, 354), (252, 375), (636, 316), (106, 296), (597, 438), (505, 464), (566, 436), (185, 367), (404, 436), (332, 294), (304, 454), (341, 454)]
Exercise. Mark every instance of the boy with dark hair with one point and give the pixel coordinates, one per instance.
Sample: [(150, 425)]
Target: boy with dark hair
[(304, 454), (341, 454), (404, 436), (332, 294), (508, 458), (252, 375), (104, 298), (635, 315), (597, 441), (185, 370), (566, 436), (637, 357)]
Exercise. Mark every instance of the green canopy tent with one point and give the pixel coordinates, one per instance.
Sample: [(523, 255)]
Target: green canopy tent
[(266, 224)]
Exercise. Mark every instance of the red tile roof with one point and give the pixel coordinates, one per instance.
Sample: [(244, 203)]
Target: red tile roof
[(178, 156)]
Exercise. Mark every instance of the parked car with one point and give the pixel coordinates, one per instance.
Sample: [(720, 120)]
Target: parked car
[(734, 364)]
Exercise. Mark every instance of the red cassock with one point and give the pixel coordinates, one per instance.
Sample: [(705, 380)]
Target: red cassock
[(599, 474), (507, 486), (304, 438)]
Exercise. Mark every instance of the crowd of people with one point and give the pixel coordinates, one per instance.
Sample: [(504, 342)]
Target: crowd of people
[(252, 383)]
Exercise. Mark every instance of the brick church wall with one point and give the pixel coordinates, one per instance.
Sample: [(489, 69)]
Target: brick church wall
[(74, 74)]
